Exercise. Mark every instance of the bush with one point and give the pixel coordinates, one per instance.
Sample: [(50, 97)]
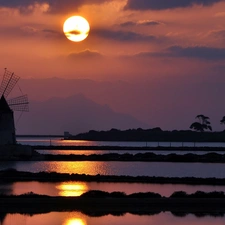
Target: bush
[(96, 194), (179, 194), (145, 195), (117, 194)]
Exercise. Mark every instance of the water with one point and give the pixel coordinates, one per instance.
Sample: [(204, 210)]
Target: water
[(164, 169), (59, 141), (89, 152), (77, 188), (110, 168), (77, 218)]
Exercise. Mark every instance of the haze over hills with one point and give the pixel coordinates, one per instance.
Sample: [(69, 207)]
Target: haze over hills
[(75, 114), (170, 103)]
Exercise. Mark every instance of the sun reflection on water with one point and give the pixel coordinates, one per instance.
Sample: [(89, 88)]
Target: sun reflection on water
[(78, 142), (75, 221), (79, 167), (72, 188)]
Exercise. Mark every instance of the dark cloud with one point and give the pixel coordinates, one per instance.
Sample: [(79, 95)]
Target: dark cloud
[(55, 6), (199, 52), (166, 4), (128, 24), (123, 35), (49, 33), (150, 23), (73, 32), (28, 31), (141, 23)]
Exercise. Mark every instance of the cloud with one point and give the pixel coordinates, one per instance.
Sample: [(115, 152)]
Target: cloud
[(29, 29), (199, 52), (123, 36), (166, 4), (141, 23), (87, 54), (51, 6), (220, 14), (25, 6), (218, 34), (49, 33)]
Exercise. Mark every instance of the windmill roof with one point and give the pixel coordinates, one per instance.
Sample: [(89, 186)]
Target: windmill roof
[(4, 107)]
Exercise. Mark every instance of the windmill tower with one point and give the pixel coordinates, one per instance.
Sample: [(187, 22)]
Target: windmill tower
[(7, 108)]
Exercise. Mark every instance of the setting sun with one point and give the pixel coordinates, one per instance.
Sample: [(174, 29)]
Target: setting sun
[(76, 28)]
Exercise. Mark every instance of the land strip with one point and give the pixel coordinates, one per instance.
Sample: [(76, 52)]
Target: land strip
[(12, 175), (111, 205), (125, 157)]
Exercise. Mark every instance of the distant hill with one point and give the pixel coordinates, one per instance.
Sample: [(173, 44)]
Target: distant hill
[(155, 101), (155, 134), (75, 114)]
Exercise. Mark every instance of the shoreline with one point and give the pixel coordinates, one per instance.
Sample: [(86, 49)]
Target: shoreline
[(210, 157), (131, 148), (12, 175), (99, 206)]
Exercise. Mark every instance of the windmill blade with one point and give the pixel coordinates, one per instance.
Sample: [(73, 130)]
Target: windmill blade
[(8, 83), (19, 103)]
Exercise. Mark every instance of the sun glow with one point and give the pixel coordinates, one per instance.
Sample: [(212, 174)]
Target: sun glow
[(76, 28), (72, 189), (76, 221)]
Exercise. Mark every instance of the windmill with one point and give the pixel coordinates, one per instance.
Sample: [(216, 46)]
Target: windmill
[(7, 108)]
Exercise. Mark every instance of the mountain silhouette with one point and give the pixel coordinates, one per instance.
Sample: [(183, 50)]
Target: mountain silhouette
[(74, 114)]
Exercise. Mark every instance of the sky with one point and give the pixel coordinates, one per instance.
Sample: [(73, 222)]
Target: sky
[(173, 52)]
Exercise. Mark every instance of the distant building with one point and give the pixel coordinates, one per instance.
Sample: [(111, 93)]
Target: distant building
[(7, 126), (67, 135)]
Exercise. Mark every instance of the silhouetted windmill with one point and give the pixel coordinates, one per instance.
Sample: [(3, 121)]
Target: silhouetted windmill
[(20, 103)]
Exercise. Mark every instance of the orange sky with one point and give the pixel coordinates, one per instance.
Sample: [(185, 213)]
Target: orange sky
[(127, 38), (157, 46)]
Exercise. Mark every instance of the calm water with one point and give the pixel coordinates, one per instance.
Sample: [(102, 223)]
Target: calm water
[(110, 168), (58, 141), (77, 218), (74, 188), (89, 152), (166, 169)]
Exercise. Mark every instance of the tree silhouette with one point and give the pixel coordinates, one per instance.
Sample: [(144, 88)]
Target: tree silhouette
[(202, 124), (223, 120)]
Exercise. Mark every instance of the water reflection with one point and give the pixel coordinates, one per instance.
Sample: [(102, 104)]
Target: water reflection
[(75, 221), (90, 152), (77, 142), (123, 168), (76, 218), (59, 141), (72, 189)]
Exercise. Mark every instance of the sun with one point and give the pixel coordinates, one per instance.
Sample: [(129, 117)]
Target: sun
[(76, 28)]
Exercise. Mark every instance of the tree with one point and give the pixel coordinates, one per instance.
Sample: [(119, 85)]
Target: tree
[(202, 124), (223, 120)]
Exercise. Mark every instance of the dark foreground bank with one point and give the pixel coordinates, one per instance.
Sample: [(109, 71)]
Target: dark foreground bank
[(139, 157), (126, 157), (155, 134), (12, 175), (98, 203)]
